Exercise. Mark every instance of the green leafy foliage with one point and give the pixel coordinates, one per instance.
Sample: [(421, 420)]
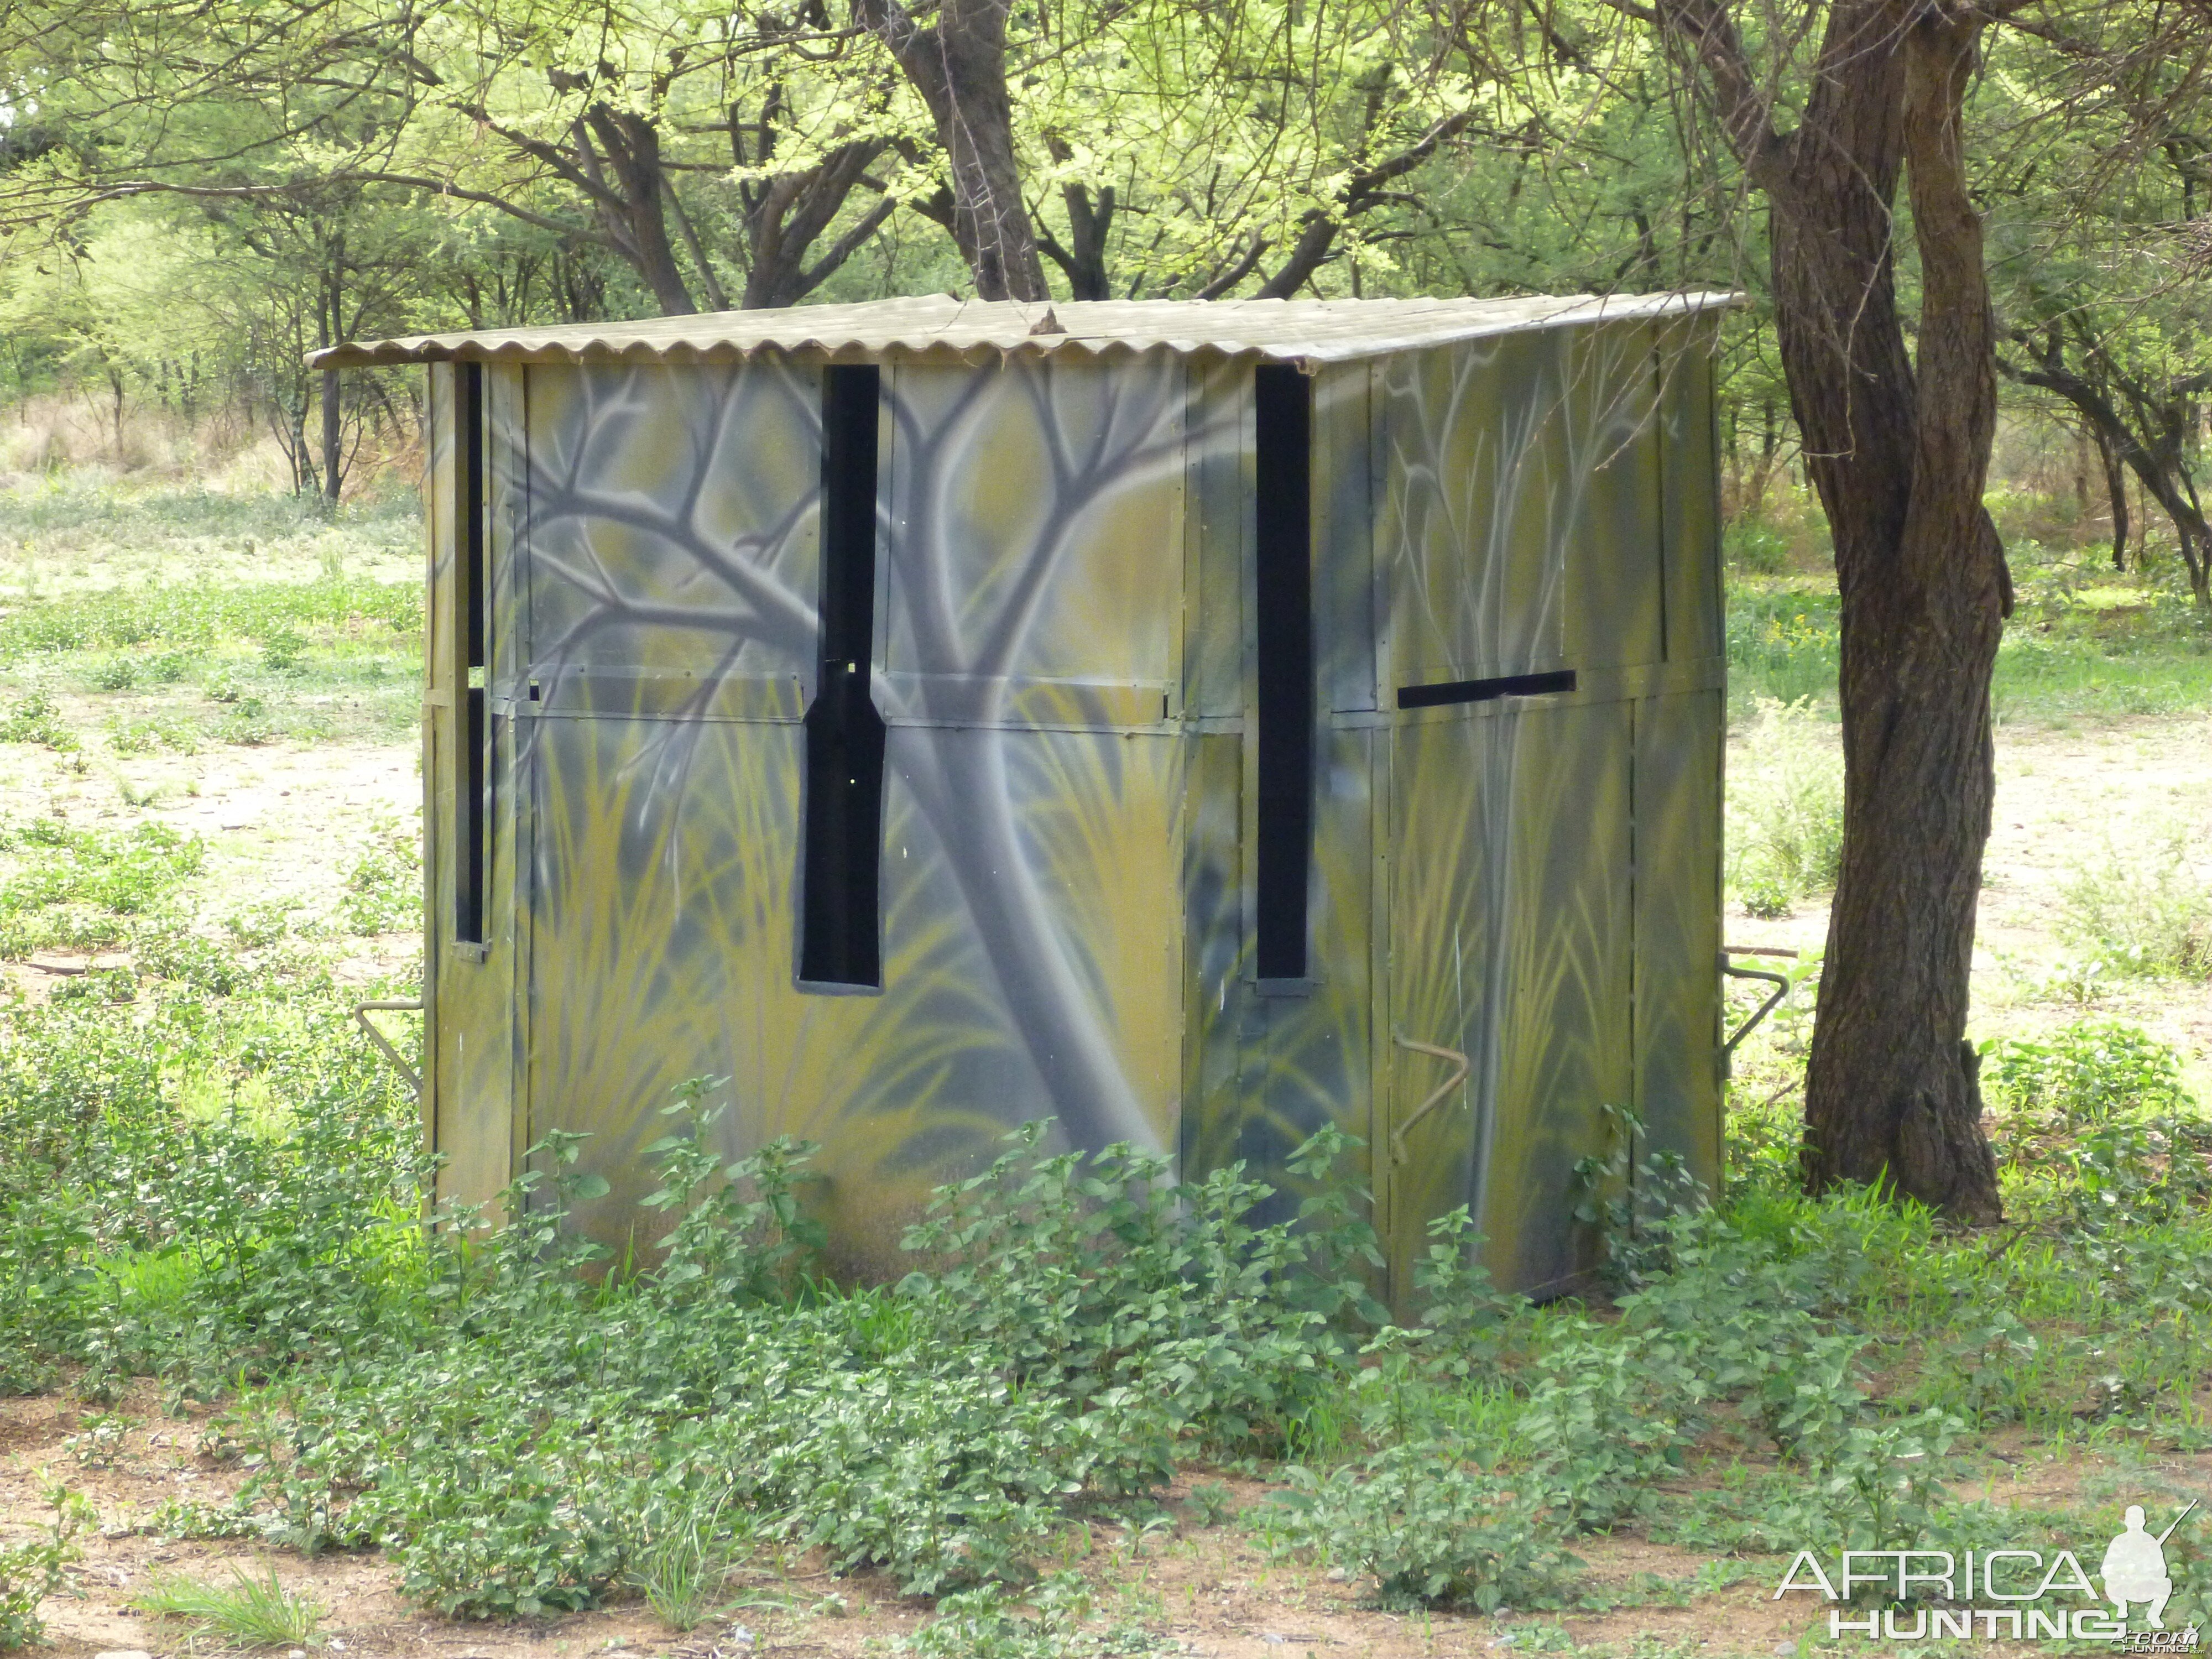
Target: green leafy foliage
[(81, 887), (1057, 1618), (203, 615), (1784, 641), (2085, 1074), (31, 1571), (144, 737), (282, 648), (1756, 548), (1429, 1532), (384, 884), (1101, 1279), (36, 718), (741, 1235), (526, 1424), (2148, 915)]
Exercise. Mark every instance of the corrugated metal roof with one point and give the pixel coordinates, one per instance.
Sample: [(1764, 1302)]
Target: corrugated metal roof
[(1283, 330)]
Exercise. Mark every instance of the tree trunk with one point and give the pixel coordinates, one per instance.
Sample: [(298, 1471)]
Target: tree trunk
[(2116, 491), (304, 478), (960, 67), (1754, 498), (1899, 453), (1082, 260), (1318, 230), (2157, 455), (992, 223), (1315, 240), (331, 468), (786, 216), (330, 329)]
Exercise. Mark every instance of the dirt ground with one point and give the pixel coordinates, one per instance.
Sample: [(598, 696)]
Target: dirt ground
[(277, 822), (2066, 799)]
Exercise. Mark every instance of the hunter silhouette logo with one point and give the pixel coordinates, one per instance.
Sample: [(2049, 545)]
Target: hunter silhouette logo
[(2134, 1567)]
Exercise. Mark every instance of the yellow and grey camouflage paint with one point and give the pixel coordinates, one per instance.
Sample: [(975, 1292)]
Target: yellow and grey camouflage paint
[(1063, 660)]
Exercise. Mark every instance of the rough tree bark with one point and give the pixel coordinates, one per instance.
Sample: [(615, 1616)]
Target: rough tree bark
[(785, 214), (959, 67), (2116, 493), (331, 326), (612, 159), (333, 449), (1898, 451)]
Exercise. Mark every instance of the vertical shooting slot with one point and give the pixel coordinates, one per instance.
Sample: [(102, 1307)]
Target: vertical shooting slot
[(1282, 402), (471, 634), (840, 929)]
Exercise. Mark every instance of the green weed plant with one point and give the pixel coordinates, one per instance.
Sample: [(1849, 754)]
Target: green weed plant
[(32, 1571), (2145, 916), (35, 718), (85, 888), (383, 890)]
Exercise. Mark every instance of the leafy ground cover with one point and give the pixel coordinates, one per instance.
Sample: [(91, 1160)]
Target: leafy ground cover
[(249, 1397), (178, 623), (1087, 1373)]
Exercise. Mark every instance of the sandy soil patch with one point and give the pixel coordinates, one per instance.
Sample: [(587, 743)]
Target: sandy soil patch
[(2064, 800)]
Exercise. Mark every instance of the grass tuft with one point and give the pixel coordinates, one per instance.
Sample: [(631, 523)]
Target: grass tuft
[(247, 1613), (684, 1573)]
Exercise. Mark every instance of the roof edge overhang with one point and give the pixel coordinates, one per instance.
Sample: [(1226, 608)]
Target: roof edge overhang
[(958, 338)]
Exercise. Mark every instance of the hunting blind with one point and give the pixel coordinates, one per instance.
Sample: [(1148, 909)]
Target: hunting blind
[(1191, 722)]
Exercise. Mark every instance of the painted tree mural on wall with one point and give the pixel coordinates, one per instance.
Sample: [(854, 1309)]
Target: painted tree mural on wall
[(1028, 518)]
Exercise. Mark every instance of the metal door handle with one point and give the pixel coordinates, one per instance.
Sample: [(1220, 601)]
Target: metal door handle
[(1461, 1066)]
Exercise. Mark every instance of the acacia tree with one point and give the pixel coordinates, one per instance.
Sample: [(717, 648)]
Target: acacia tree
[(721, 152), (1209, 150), (300, 253), (1897, 445), (1848, 119), (2139, 400), (704, 143)]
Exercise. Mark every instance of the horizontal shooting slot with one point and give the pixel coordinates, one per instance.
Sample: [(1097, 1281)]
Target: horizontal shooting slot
[(1506, 685)]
